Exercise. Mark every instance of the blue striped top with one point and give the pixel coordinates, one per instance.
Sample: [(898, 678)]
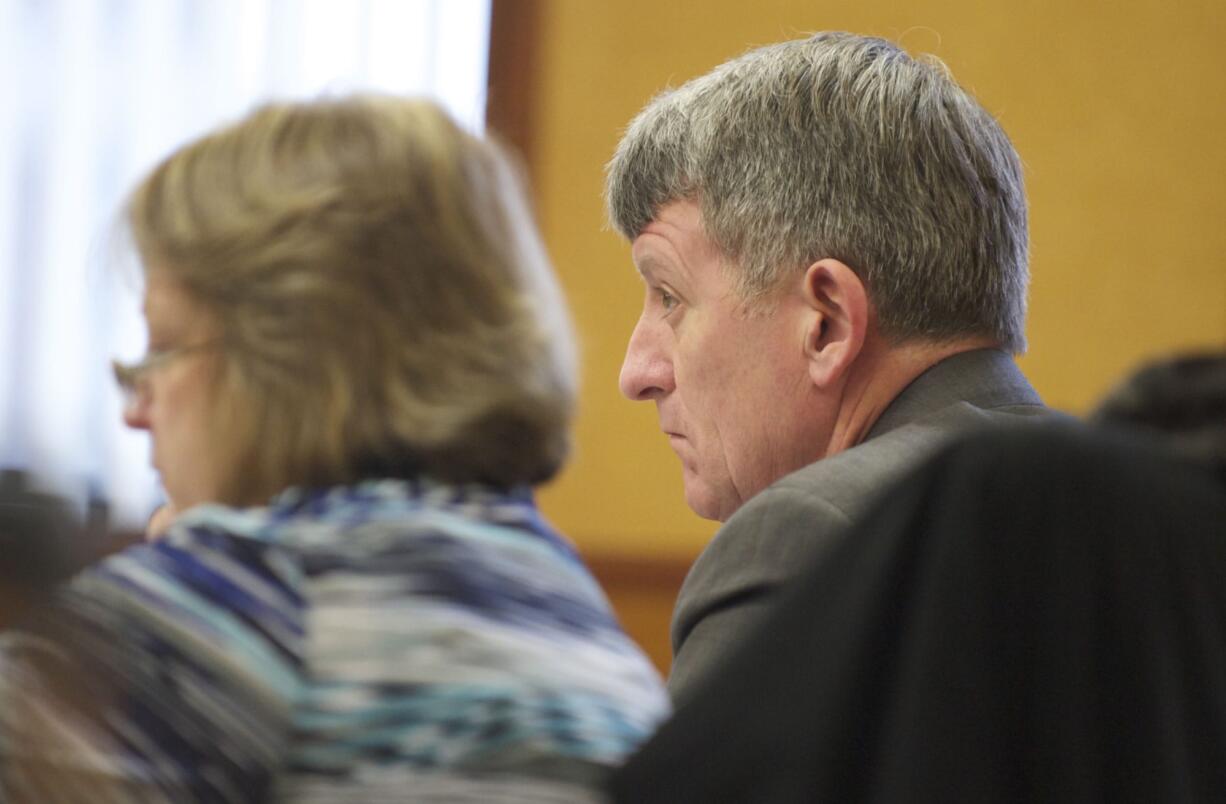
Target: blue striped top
[(394, 639)]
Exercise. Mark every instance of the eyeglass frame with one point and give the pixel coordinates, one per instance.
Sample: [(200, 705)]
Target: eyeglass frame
[(131, 377)]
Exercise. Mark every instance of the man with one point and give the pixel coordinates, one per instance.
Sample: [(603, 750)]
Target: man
[(833, 239)]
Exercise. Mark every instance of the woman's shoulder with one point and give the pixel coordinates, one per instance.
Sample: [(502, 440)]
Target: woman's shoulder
[(392, 525), (472, 628)]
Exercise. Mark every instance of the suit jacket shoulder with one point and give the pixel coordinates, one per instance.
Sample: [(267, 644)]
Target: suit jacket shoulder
[(797, 518)]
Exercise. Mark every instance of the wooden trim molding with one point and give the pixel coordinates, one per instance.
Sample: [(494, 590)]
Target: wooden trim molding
[(666, 573), (512, 80)]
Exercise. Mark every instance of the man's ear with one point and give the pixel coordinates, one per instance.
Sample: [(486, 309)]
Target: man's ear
[(839, 320)]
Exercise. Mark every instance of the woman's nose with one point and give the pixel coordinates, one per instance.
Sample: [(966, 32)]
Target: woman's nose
[(136, 410)]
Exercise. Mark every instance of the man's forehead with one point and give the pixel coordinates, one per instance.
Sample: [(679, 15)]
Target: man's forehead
[(673, 240)]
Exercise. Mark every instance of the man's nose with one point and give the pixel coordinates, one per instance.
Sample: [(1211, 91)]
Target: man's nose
[(647, 371)]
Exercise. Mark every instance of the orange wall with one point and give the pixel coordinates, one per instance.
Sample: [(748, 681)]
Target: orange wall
[(1118, 110)]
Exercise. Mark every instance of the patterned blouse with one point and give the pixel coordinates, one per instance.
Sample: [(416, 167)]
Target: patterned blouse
[(389, 641)]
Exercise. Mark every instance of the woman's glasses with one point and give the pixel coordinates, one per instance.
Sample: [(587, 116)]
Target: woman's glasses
[(133, 378)]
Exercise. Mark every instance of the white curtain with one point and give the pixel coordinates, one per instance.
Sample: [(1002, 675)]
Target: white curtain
[(92, 94)]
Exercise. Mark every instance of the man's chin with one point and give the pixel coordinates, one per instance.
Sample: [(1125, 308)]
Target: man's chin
[(703, 502)]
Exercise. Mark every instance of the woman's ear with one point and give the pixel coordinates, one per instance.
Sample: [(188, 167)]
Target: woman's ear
[(839, 311)]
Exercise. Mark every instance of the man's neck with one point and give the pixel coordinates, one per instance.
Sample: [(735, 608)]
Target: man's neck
[(880, 374)]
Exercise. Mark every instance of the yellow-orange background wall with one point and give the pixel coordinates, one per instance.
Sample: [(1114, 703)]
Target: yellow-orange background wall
[(1118, 110)]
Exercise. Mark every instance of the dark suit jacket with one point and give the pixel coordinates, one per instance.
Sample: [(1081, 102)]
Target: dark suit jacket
[(1035, 614), (787, 525)]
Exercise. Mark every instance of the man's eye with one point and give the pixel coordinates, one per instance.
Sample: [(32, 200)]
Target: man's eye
[(667, 300)]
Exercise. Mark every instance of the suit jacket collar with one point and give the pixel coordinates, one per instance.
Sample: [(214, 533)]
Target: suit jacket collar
[(986, 378)]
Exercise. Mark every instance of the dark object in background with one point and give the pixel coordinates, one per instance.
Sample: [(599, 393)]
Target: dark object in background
[(1181, 402), (1035, 615), (42, 541)]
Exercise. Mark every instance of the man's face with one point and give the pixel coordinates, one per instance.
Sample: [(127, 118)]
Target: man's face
[(730, 383)]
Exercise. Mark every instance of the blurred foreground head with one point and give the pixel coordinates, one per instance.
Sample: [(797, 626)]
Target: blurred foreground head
[(343, 289), (1181, 401)]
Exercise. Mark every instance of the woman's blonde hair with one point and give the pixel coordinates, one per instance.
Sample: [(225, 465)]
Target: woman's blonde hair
[(384, 302)]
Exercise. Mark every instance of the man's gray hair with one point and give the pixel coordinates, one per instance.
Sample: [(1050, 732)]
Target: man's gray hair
[(842, 146)]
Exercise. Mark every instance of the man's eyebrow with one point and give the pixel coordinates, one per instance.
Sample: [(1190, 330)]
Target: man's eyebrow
[(647, 268)]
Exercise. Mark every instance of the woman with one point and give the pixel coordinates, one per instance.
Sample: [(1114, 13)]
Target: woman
[(359, 365)]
